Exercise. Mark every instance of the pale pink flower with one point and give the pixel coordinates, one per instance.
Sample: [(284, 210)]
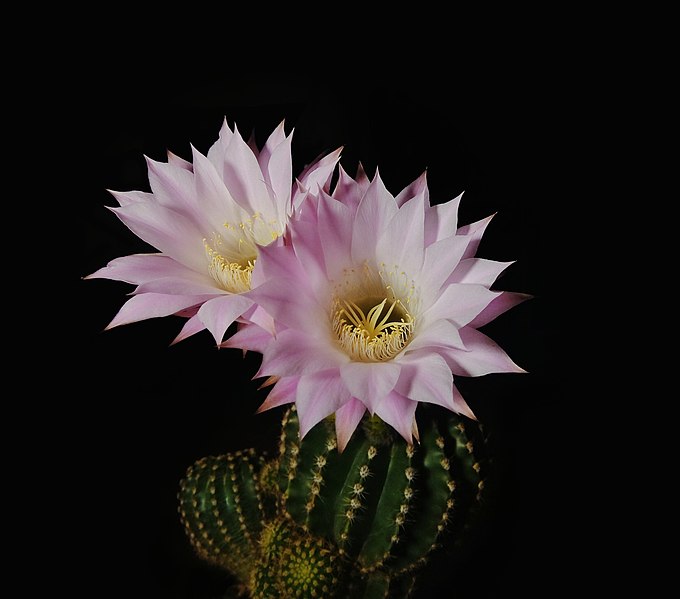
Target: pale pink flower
[(377, 302), (209, 218)]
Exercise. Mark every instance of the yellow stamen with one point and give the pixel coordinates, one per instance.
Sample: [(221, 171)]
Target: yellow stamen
[(370, 336), (230, 276)]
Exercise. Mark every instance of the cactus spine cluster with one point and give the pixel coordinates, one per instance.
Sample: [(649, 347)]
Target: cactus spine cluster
[(313, 522)]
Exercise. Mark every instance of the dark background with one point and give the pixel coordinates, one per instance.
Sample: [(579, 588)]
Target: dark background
[(142, 411)]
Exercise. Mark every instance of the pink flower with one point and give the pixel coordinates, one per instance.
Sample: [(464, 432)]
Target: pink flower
[(377, 302), (209, 221)]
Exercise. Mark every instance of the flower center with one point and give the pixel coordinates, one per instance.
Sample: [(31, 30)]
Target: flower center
[(230, 276), (232, 252), (372, 329)]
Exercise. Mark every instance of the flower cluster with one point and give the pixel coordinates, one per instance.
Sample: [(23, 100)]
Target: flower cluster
[(358, 300)]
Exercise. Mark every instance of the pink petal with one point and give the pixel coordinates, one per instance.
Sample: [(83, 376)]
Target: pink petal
[(347, 190), (335, 232), (376, 210), (505, 301), (474, 232), (213, 197), (140, 268), (319, 395), (295, 353), (440, 333), (262, 319), (399, 412), (276, 261), (283, 392), (219, 313), (419, 186), (441, 220), (279, 297), (309, 250), (316, 177), (130, 197), (441, 259), (278, 175), (153, 305), (216, 151), (173, 187), (459, 303), (244, 178), (249, 337), (427, 378), (484, 356), (362, 179), (460, 405), (347, 418), (478, 271), (401, 243), (370, 382), (191, 327), (194, 284), (167, 231), (178, 162)]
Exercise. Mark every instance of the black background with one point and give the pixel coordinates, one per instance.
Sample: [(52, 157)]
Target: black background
[(142, 411)]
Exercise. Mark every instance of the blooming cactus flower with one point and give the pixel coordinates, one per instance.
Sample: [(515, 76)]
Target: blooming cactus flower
[(377, 302), (209, 220)]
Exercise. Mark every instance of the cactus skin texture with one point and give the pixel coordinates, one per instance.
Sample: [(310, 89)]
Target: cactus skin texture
[(313, 522)]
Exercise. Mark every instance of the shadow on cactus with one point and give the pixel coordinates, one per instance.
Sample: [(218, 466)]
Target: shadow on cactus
[(313, 522)]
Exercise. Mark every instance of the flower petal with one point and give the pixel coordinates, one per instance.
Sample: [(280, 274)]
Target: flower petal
[(460, 303), (218, 313), (440, 333), (173, 187), (441, 220), (419, 186), (293, 352), (370, 382), (278, 297), (347, 418), (347, 190), (262, 319), (316, 177), (441, 259), (213, 197), (401, 242), (153, 305), (194, 284), (484, 356), (278, 174), (474, 234), (248, 337), (478, 271), (335, 221), (375, 211), (140, 268), (130, 197), (319, 394), (175, 160), (245, 180), (191, 327), (282, 393), (505, 301), (427, 378), (461, 406), (399, 412), (216, 152), (167, 231)]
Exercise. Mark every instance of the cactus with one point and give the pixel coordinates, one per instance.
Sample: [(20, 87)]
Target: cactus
[(314, 522)]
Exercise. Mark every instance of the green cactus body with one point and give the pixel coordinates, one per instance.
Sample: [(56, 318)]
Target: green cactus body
[(221, 508), (314, 522)]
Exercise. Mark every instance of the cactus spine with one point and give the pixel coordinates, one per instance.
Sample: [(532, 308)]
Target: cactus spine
[(313, 522)]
